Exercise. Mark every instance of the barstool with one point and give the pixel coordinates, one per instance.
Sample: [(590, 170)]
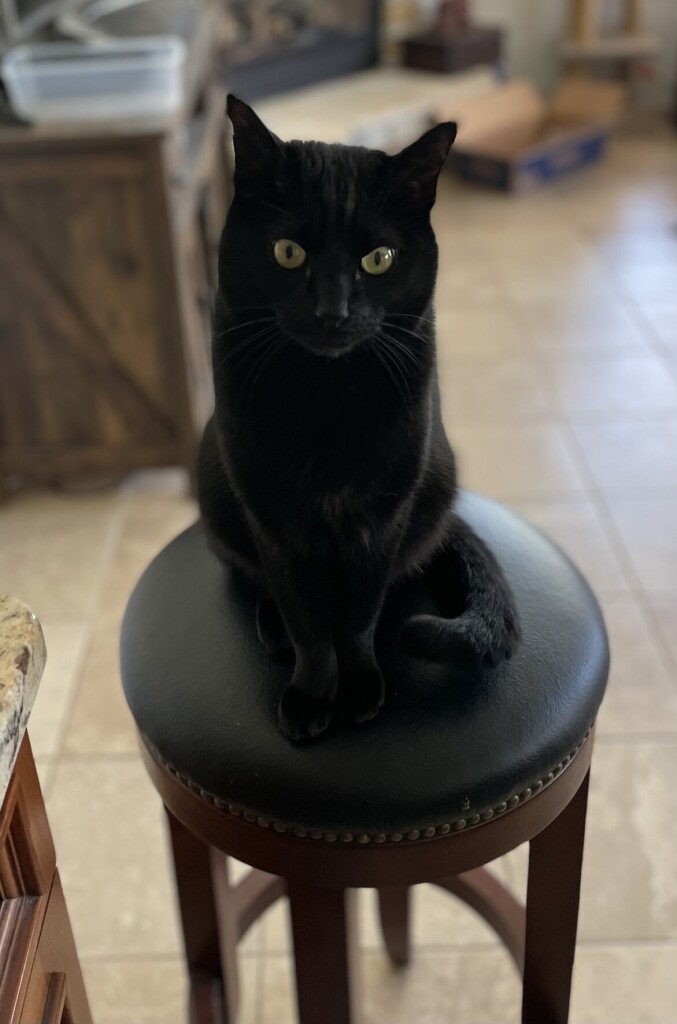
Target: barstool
[(461, 766)]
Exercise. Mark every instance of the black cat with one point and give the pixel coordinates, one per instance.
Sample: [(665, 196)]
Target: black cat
[(325, 473)]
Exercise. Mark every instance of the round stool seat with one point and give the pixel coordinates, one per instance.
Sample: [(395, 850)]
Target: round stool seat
[(452, 747)]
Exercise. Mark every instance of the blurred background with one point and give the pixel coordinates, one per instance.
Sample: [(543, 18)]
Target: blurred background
[(557, 333)]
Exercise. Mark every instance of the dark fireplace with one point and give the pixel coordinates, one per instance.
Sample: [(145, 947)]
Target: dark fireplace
[(279, 45)]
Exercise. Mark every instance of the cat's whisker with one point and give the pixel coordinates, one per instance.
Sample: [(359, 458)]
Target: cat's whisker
[(247, 323), (246, 344), (411, 316), (257, 347), (402, 368), (252, 197), (376, 351), (406, 330), (232, 311), (260, 364), (263, 365), (394, 368), (412, 356), (410, 359)]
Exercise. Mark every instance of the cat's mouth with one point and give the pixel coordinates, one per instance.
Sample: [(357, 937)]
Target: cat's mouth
[(332, 345)]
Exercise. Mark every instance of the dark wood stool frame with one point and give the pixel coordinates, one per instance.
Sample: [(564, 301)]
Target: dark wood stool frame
[(318, 877)]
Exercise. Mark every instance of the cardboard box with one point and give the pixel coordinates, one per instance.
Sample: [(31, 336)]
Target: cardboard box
[(512, 139)]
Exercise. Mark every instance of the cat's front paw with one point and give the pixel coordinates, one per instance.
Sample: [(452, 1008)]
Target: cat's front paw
[(362, 693), (304, 715)]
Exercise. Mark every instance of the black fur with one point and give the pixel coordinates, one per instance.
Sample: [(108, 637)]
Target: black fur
[(325, 474)]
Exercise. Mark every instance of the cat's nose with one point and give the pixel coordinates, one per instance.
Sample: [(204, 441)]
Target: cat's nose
[(331, 320), (331, 315)]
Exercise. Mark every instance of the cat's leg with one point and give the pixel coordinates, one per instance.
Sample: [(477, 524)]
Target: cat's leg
[(271, 629), (466, 579), (302, 593), (361, 688), (231, 540), (358, 602)]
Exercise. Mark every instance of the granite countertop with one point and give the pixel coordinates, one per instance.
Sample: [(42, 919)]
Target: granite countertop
[(22, 660)]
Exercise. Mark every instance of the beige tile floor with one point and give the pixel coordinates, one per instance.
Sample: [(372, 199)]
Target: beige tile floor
[(558, 346)]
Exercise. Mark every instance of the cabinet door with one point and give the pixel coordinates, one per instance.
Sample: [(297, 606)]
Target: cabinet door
[(90, 330), (40, 977), (55, 993)]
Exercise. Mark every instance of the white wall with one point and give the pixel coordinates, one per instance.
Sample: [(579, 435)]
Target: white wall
[(535, 29)]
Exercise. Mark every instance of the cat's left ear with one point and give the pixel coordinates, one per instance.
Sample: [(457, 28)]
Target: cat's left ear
[(258, 153), (416, 169)]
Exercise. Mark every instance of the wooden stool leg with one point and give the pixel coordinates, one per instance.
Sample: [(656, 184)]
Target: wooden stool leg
[(209, 933), (394, 904), (325, 953), (553, 891)]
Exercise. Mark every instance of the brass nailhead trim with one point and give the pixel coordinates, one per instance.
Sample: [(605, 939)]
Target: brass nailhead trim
[(363, 838)]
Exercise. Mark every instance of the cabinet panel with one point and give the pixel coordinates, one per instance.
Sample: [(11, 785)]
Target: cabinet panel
[(85, 341)]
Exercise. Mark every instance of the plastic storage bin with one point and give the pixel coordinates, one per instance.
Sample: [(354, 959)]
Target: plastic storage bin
[(134, 78)]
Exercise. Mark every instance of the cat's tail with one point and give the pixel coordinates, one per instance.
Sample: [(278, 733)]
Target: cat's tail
[(487, 629)]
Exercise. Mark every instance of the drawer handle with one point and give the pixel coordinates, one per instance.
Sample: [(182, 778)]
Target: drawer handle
[(55, 1003)]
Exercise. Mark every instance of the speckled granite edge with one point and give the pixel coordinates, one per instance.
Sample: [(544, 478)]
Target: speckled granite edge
[(22, 660)]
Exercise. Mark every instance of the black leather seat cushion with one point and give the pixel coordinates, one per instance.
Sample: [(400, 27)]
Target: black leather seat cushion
[(449, 744)]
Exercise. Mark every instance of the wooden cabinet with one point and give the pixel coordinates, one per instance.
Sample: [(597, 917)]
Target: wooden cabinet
[(107, 268), (40, 977)]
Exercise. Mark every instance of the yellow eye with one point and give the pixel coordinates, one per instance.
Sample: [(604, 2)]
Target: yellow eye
[(378, 260), (289, 254)]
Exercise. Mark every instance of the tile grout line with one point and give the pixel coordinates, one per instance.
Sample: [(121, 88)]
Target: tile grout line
[(600, 503), (637, 587), (111, 547), (425, 950)]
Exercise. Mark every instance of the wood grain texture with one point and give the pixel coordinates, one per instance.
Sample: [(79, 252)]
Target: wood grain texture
[(104, 311), (340, 865), (209, 945), (553, 893), (319, 878), (325, 954), (40, 977)]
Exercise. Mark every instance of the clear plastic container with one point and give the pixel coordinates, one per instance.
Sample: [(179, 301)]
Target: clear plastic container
[(132, 78)]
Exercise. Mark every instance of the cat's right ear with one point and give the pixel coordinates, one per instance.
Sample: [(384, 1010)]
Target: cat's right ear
[(258, 153)]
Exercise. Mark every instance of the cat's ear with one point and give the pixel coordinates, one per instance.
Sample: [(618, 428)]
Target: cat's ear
[(258, 153), (414, 171)]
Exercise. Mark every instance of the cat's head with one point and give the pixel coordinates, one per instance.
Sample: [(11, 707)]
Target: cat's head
[(333, 241)]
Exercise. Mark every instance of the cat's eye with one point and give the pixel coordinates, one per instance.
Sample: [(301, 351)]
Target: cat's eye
[(378, 260), (289, 254)]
